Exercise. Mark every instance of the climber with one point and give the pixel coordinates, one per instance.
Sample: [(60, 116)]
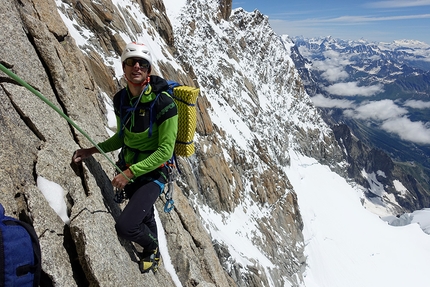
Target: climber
[(147, 124)]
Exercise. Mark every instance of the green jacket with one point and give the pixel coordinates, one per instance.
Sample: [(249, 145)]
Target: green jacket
[(145, 146)]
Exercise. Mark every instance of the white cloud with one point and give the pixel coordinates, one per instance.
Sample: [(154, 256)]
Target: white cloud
[(417, 104), (398, 3), (377, 110), (352, 89), (366, 19), (334, 56), (392, 119), (333, 66), (370, 27), (305, 52), (408, 130), (334, 74), (323, 102)]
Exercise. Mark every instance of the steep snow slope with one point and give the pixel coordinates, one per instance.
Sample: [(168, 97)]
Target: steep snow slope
[(347, 245)]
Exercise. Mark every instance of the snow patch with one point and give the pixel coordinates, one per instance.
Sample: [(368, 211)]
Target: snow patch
[(54, 194)]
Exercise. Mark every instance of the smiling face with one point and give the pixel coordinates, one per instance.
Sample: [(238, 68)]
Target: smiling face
[(136, 69)]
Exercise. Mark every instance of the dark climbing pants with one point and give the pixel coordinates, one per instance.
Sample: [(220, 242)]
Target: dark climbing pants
[(137, 221)]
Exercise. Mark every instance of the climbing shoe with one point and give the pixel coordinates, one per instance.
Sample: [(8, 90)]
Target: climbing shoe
[(150, 262)]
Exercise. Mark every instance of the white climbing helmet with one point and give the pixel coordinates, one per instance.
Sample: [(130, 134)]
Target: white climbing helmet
[(136, 50)]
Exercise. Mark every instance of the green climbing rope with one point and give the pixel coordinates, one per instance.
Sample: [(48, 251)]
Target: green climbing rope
[(43, 98)]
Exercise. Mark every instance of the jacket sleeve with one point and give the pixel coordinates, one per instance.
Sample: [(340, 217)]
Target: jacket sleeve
[(112, 143)]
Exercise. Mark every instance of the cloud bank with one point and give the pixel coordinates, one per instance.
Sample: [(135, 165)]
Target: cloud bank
[(416, 104), (393, 119), (408, 130), (323, 102), (398, 3), (349, 89), (333, 66), (377, 110), (386, 114)]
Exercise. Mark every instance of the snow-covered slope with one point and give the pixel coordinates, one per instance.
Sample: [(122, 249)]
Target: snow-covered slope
[(347, 245)]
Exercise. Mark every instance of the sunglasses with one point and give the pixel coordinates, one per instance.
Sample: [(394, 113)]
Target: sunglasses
[(143, 64)]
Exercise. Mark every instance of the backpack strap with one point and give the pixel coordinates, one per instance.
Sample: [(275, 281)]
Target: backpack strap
[(124, 118), (151, 115), (129, 109)]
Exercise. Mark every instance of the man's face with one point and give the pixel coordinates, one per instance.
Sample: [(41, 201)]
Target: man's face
[(136, 69)]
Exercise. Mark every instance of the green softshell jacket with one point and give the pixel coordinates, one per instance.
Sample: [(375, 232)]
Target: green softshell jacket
[(143, 151)]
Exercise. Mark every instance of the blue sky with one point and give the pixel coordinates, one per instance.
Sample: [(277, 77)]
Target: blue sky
[(383, 21)]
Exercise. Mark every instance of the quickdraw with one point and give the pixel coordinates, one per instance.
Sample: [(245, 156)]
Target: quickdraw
[(171, 177)]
